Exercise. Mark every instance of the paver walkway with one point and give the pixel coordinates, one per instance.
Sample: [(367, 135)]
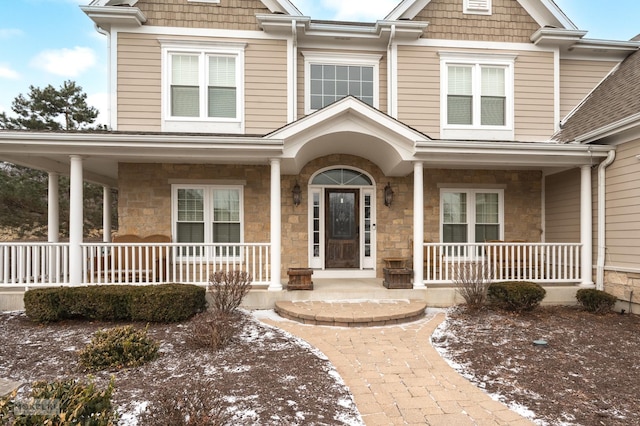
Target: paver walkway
[(398, 378)]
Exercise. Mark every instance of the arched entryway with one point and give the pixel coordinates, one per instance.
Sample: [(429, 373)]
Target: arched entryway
[(342, 222)]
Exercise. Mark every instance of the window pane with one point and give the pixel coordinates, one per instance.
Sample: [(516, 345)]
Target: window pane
[(329, 72), (487, 233), (367, 89), (222, 102), (342, 73), (316, 72), (185, 101), (367, 74), (190, 232), (190, 205), (454, 233), (454, 205), (329, 87), (492, 111), (226, 233), (184, 70), (459, 109), (493, 81), (487, 208), (459, 80), (226, 205), (222, 71), (316, 101), (342, 88)]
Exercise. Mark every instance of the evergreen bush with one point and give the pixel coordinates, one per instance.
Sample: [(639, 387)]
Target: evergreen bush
[(119, 347), (596, 301), (518, 296)]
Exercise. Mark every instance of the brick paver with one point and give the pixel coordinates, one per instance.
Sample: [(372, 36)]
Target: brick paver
[(397, 377)]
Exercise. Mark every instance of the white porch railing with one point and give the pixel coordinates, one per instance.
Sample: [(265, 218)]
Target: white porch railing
[(145, 263), (34, 264), (505, 261)]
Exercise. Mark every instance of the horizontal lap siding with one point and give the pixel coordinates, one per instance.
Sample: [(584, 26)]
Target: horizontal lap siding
[(419, 89), (534, 106), (265, 86), (562, 207), (577, 79), (623, 208), (139, 83)]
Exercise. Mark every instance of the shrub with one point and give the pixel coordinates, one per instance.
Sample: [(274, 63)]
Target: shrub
[(79, 403), (228, 289), (472, 280), (596, 301), (516, 296), (201, 405), (154, 303), (214, 329), (119, 347), (167, 302)]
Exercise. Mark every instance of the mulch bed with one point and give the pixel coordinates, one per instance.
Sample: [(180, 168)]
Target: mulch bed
[(588, 374)]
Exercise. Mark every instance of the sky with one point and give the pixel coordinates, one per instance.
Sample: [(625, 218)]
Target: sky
[(46, 42)]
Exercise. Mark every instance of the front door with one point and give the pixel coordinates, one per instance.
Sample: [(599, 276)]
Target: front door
[(342, 236)]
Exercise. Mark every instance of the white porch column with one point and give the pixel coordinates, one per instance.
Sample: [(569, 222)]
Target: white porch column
[(276, 227), (418, 225), (106, 214), (586, 227), (53, 209), (76, 219)]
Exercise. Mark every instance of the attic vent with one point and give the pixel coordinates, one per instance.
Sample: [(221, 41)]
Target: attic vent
[(482, 7)]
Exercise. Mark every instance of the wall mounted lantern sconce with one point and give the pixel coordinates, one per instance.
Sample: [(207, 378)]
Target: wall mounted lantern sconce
[(388, 195), (297, 194)]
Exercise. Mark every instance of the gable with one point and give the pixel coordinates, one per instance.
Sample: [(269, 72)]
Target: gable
[(223, 15), (508, 22)]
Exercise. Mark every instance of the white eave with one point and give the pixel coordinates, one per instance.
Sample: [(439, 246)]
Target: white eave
[(108, 16), (610, 130), (282, 6), (557, 37), (307, 28)]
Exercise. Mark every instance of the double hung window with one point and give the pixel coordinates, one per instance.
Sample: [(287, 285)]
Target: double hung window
[(203, 88), (477, 97), (208, 214), (471, 215)]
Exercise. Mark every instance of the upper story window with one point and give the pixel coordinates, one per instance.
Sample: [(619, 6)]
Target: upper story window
[(203, 89), (478, 7), (477, 96), (329, 78)]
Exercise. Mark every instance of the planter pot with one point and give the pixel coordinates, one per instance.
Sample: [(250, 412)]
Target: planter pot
[(398, 278), (300, 279)]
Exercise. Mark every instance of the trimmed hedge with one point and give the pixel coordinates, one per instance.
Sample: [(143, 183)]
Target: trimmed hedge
[(152, 303), (518, 296), (596, 301)]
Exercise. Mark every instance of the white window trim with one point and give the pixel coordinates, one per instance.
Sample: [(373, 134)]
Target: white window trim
[(477, 131), (202, 124), (204, 1), (355, 59), (208, 208), (477, 7), (471, 209)]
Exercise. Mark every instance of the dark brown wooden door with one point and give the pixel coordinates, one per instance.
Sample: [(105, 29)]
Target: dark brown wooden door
[(342, 239)]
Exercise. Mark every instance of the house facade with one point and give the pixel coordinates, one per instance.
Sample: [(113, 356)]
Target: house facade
[(252, 134)]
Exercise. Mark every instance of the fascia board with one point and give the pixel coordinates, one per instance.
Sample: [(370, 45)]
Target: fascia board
[(610, 129), (407, 9), (282, 6), (522, 148)]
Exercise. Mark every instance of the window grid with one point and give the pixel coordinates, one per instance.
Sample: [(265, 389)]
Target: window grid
[(330, 83)]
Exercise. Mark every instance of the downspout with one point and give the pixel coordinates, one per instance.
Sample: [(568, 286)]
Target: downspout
[(601, 218), (390, 92), (105, 33), (294, 77)]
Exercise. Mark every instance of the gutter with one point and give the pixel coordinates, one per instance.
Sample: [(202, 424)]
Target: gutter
[(390, 75), (601, 219), (105, 33)]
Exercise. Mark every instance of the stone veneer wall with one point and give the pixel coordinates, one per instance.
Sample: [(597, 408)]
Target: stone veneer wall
[(145, 202), (144, 197), (621, 284)]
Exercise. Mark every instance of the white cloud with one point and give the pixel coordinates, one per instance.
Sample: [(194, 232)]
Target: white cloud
[(9, 73), (101, 102), (65, 62)]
